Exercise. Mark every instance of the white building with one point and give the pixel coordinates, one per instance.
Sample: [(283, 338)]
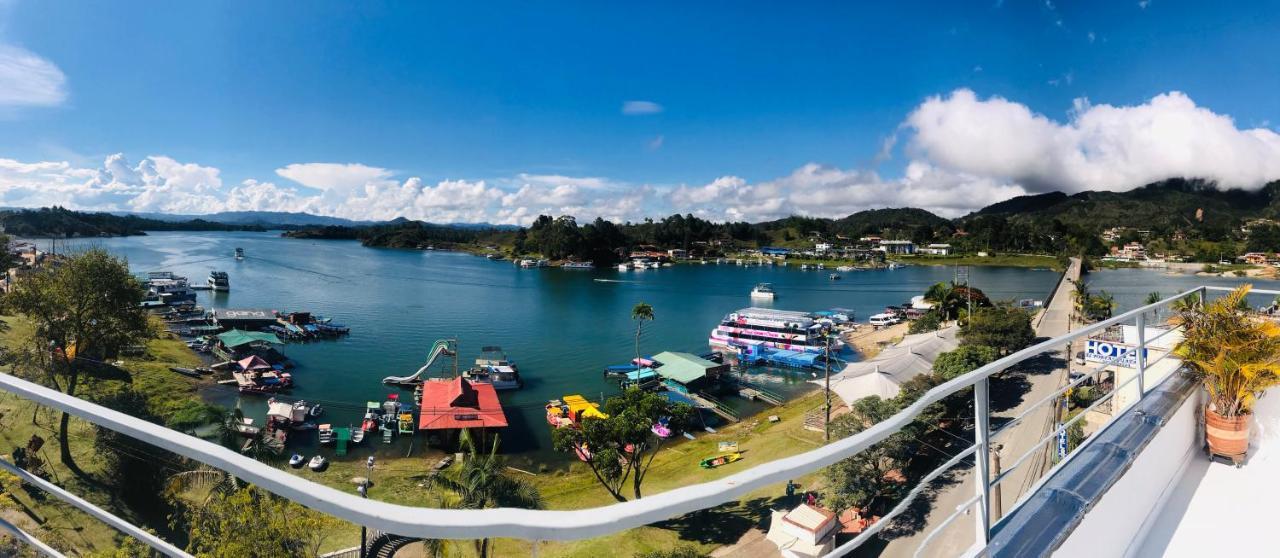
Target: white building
[(897, 247), (937, 250)]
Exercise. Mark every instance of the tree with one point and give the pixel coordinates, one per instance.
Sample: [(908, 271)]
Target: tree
[(930, 321), (1004, 328), (622, 446), (872, 479), (641, 313), (481, 482), (1099, 307), (1152, 298), (250, 523), (962, 360), (86, 308)]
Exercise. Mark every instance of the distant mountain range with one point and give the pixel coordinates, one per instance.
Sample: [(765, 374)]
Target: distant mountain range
[(1168, 205)]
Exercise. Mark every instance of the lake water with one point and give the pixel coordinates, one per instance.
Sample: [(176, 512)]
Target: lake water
[(561, 326), (1131, 286)]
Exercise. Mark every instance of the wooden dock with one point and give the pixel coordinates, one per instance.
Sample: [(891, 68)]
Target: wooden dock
[(709, 403)]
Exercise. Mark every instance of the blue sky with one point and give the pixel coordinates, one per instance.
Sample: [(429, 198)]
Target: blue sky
[(501, 92)]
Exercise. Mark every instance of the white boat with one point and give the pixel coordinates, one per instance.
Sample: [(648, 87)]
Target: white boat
[(239, 253), (357, 435), (804, 267), (318, 463), (578, 265), (844, 268), (763, 291), (834, 276), (774, 329), (527, 263), (219, 281), (296, 460), (494, 368), (623, 267)]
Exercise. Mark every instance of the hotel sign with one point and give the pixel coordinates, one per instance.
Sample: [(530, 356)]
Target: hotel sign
[(1097, 350)]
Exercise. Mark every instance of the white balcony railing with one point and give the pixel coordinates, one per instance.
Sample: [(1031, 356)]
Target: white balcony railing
[(537, 525)]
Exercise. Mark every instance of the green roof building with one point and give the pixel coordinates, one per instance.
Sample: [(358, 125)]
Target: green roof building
[(689, 370)]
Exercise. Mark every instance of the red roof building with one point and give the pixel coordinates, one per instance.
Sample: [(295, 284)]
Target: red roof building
[(459, 403)]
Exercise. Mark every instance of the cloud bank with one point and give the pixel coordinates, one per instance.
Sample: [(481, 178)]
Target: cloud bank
[(27, 80), (962, 152)]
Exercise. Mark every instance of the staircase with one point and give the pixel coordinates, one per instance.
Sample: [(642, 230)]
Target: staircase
[(385, 545)]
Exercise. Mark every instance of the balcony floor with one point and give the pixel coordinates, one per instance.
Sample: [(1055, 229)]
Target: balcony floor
[(1216, 509)]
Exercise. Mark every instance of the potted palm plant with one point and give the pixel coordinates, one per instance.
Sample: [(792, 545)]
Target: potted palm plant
[(1236, 356)]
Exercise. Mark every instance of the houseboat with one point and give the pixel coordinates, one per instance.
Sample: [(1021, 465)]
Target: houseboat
[(218, 281), (763, 291), (165, 288), (578, 265), (775, 329), (569, 411), (494, 368)]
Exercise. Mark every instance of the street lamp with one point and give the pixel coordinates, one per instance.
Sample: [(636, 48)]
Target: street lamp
[(364, 493)]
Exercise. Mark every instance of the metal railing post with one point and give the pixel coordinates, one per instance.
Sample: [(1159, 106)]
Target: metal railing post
[(1142, 355), (982, 459)]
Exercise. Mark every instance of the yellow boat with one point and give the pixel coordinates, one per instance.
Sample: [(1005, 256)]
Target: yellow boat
[(570, 411), (722, 459)]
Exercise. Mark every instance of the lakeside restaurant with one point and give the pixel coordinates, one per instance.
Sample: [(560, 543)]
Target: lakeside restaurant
[(447, 407)]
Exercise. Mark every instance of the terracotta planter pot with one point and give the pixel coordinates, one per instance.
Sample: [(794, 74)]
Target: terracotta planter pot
[(1227, 437)]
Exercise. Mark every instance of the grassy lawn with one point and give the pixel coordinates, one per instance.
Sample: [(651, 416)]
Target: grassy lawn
[(58, 523), (398, 479)]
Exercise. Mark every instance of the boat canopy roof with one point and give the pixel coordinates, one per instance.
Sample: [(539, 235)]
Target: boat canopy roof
[(683, 367), (578, 403), (236, 338), (641, 374)]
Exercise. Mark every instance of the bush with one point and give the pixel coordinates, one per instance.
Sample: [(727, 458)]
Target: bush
[(930, 321), (1003, 328), (963, 360)]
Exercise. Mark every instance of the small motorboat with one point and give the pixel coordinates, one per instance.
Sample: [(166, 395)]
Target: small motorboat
[(296, 460), (316, 410), (370, 423), (834, 276), (763, 291), (718, 460), (387, 434), (318, 463), (357, 435)]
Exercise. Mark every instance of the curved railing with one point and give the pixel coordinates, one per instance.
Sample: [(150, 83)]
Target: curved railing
[(538, 525)]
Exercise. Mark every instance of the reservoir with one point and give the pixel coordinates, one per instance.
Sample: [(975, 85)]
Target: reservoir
[(561, 326)]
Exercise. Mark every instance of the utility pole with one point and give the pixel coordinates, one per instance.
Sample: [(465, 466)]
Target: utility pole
[(997, 503), (826, 362), (364, 493)]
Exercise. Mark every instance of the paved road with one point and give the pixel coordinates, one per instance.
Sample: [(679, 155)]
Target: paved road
[(959, 536)]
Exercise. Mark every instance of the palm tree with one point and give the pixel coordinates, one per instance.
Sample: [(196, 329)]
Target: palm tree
[(641, 312), (1152, 298), (1079, 296), (216, 481), (481, 483)]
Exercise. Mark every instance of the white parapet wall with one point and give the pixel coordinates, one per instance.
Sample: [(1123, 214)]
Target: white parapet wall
[(1117, 523)]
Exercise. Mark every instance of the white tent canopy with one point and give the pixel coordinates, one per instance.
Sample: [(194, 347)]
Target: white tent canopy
[(884, 374)]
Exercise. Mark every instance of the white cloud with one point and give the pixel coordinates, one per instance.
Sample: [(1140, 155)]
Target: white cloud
[(963, 152), (27, 80), (333, 176), (633, 108), (1100, 147)]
